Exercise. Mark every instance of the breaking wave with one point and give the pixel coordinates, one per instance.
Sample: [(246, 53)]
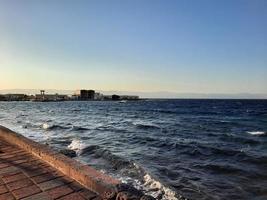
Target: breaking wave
[(77, 145), (256, 132), (47, 126), (125, 170)]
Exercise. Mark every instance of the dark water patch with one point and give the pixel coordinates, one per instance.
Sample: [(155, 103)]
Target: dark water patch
[(96, 151), (147, 126), (65, 141), (261, 160), (223, 169), (68, 152), (79, 128), (237, 139), (76, 110)]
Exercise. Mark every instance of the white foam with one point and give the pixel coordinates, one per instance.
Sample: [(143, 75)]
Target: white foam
[(77, 145), (150, 186), (46, 126), (156, 186), (256, 132)]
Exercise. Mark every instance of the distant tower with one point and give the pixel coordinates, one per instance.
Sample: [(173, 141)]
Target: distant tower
[(43, 94)]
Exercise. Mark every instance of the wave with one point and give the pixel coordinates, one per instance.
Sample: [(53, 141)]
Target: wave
[(256, 132), (47, 126), (159, 190), (237, 139), (127, 171), (146, 125), (138, 177), (79, 128), (77, 145), (21, 115), (165, 111), (225, 169)]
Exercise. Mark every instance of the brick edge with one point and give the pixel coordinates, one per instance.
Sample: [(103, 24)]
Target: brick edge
[(87, 176)]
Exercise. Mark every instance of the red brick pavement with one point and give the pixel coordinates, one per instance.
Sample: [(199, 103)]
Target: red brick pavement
[(25, 177)]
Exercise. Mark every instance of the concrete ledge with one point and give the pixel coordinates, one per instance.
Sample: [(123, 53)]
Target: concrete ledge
[(85, 175)]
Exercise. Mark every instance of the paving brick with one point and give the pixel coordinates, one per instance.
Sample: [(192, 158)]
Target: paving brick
[(72, 196), (26, 191), (36, 172), (51, 184), (3, 189), (18, 156), (75, 186), (6, 156), (97, 198), (26, 177), (7, 196), (28, 166), (19, 184), (8, 170), (59, 191), (87, 194), (17, 151), (55, 173), (10, 173), (20, 161), (12, 178), (43, 177), (66, 179), (3, 165), (39, 196)]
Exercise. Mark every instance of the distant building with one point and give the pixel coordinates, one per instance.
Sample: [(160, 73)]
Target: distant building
[(50, 97), (99, 96), (115, 97), (87, 95), (129, 97), (16, 97), (74, 97), (2, 97), (107, 97)]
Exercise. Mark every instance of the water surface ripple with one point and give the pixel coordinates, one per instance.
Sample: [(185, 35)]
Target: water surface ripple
[(198, 149)]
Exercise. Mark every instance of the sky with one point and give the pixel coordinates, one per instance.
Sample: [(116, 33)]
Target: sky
[(177, 46)]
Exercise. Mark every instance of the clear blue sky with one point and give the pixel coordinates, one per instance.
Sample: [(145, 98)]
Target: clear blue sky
[(196, 46)]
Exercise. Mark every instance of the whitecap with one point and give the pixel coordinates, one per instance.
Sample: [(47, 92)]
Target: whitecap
[(156, 186), (77, 145), (145, 182), (256, 132), (46, 126)]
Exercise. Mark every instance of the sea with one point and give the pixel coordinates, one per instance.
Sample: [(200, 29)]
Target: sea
[(170, 149)]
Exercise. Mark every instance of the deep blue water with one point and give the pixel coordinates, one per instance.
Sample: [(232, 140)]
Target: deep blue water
[(199, 149)]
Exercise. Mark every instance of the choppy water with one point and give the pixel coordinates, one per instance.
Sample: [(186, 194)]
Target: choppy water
[(200, 149)]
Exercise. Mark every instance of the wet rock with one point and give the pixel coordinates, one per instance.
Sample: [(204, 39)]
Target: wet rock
[(146, 197), (126, 196), (110, 194), (68, 152), (129, 189)]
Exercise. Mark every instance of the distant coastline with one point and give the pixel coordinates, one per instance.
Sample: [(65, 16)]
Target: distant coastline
[(147, 95), (79, 95)]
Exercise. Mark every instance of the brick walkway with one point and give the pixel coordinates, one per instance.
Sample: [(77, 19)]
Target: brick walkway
[(23, 176)]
